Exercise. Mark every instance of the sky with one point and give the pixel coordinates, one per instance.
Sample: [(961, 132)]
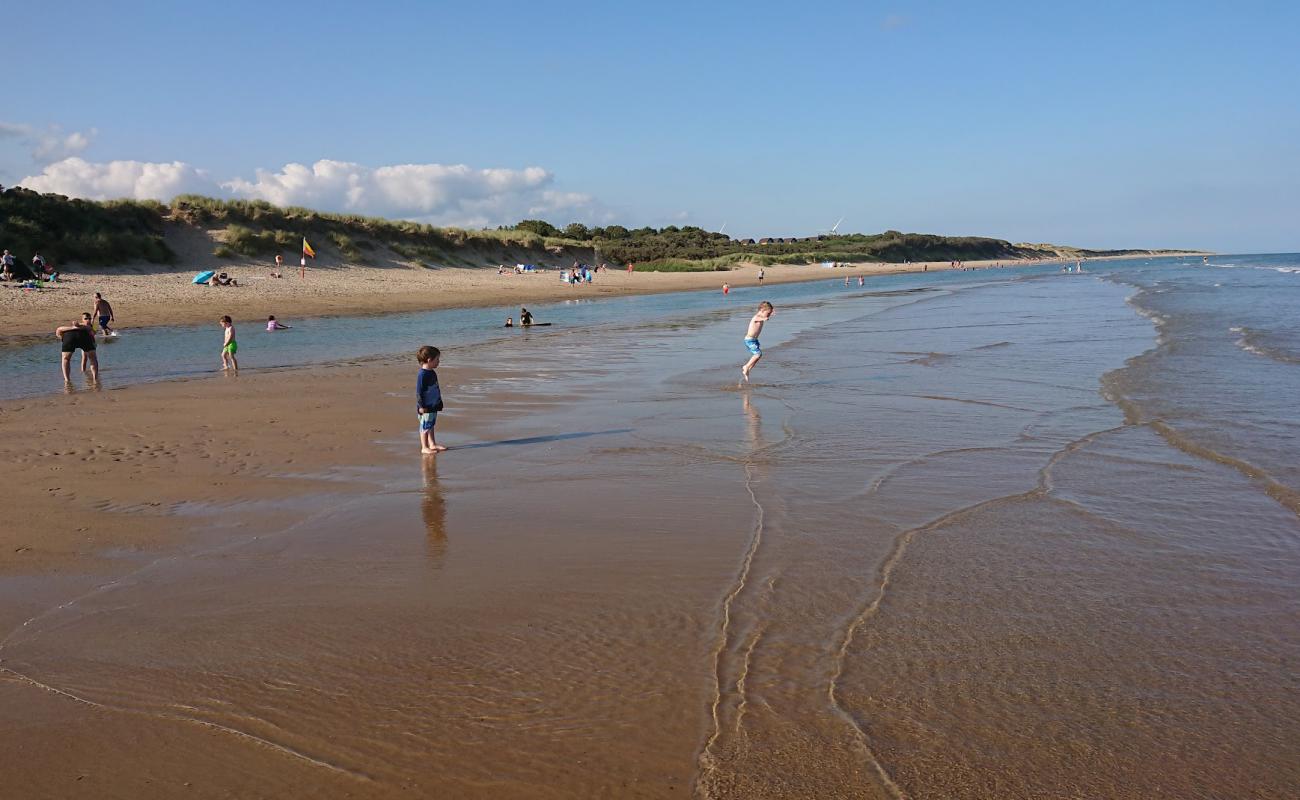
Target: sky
[(1134, 124)]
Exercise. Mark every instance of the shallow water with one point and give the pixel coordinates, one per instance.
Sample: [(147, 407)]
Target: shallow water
[(996, 535), (29, 364)]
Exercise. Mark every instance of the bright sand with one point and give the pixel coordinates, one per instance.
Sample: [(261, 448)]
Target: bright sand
[(921, 556)]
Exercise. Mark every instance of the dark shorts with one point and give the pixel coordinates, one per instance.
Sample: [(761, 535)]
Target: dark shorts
[(84, 340), (103, 321)]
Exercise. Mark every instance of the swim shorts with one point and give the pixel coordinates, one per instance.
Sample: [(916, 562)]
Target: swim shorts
[(752, 345), (231, 348), (427, 421), (79, 339), (103, 321)]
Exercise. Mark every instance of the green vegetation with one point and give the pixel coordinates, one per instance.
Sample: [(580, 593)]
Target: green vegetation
[(65, 230), (123, 231)]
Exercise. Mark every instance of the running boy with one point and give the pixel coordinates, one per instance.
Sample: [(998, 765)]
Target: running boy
[(105, 313), (228, 345), (428, 398), (765, 312)]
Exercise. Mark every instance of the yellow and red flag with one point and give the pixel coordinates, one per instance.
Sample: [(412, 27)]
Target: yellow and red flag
[(306, 248)]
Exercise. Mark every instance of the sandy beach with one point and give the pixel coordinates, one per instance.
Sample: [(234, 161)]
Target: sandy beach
[(144, 296)]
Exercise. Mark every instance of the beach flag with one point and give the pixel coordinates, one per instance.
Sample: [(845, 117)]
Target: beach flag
[(306, 248)]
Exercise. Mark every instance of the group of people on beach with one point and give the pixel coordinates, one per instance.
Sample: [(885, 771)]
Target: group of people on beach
[(80, 335), (41, 269)]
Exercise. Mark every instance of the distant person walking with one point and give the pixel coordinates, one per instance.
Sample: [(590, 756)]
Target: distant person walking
[(765, 312), (78, 336), (760, 276), (104, 312), (228, 345)]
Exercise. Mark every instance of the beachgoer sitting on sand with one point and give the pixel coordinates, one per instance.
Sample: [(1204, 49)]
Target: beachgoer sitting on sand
[(6, 267), (222, 280)]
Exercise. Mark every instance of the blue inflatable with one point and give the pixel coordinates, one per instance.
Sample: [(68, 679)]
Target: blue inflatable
[(204, 277)]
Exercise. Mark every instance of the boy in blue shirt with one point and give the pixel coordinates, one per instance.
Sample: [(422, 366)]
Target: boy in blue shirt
[(428, 398)]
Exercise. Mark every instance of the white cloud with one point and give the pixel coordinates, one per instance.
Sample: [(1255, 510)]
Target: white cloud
[(438, 194), (137, 180), (48, 145)]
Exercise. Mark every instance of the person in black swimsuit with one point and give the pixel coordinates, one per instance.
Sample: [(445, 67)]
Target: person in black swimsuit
[(525, 317), (79, 336)]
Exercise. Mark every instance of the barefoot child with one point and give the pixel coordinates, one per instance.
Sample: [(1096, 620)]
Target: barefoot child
[(228, 345), (765, 312), (428, 398)]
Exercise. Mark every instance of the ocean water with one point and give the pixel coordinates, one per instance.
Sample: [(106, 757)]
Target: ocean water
[(1000, 534)]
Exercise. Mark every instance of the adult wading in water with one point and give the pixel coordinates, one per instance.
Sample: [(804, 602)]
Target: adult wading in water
[(79, 336)]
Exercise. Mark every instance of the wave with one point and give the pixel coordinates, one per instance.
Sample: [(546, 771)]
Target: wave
[(1252, 342)]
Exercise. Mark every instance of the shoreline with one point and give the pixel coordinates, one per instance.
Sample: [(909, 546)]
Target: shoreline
[(144, 297)]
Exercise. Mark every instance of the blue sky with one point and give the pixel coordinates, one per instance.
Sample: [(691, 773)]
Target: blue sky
[(1100, 124)]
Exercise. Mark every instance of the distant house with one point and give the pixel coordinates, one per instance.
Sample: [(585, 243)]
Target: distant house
[(767, 240), (747, 241)]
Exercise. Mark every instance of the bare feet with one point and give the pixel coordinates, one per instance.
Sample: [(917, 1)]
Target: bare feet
[(744, 373), (426, 451)]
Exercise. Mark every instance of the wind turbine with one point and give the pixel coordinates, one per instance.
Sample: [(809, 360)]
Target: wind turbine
[(723, 229), (835, 229)]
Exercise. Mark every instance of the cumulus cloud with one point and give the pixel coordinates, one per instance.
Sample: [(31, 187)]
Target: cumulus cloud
[(137, 180), (48, 145), (438, 193)]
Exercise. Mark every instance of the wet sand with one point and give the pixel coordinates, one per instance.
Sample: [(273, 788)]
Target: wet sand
[(922, 556)]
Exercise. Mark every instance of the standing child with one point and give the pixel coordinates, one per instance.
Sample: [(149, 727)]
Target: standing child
[(765, 312), (228, 345), (428, 398)]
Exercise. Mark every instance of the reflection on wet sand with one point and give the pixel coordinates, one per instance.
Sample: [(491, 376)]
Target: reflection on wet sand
[(433, 507)]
